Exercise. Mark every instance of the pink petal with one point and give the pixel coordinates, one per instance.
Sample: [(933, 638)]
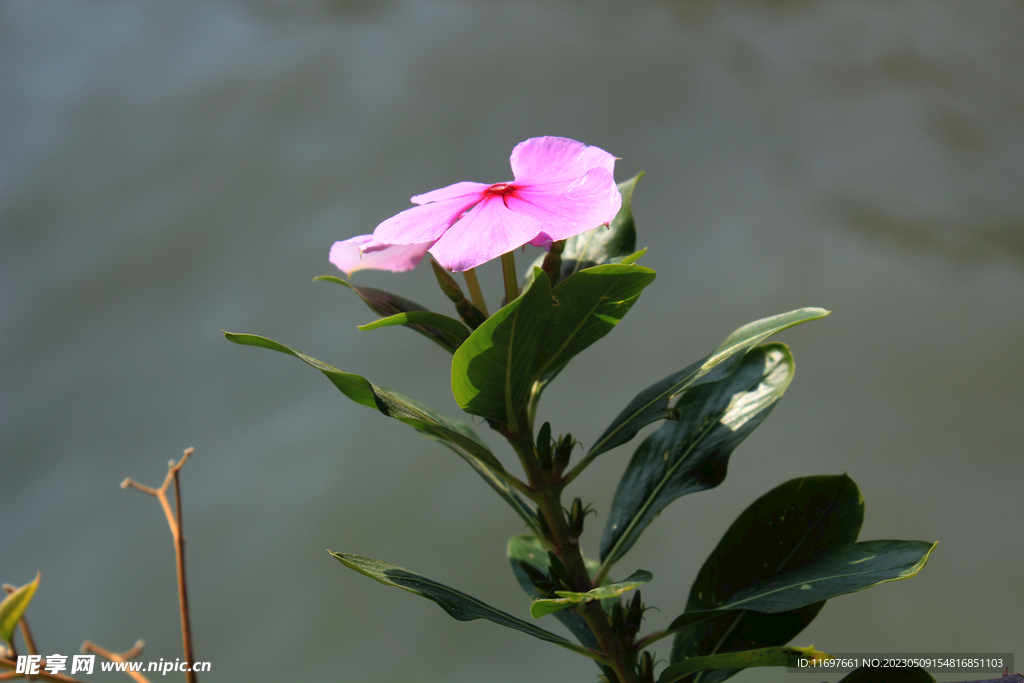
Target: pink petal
[(423, 223), (363, 252), (485, 233), (456, 191), (583, 205), (550, 159)]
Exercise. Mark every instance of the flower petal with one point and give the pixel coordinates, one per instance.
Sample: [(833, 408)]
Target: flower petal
[(485, 233), (583, 205), (456, 191), (363, 252), (551, 159), (423, 223)]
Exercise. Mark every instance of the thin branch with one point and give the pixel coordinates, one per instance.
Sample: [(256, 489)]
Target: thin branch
[(174, 522), (89, 646)]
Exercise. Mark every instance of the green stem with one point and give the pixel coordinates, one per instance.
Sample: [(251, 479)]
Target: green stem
[(508, 271), (475, 294), (578, 469)]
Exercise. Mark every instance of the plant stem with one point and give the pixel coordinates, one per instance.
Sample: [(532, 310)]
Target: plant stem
[(508, 271), (475, 294), (179, 553), (548, 493), (174, 522)]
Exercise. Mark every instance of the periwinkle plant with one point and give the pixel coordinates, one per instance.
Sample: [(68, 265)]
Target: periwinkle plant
[(786, 554)]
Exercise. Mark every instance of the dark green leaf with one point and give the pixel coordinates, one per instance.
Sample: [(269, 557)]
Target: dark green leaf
[(691, 454), (735, 661), (566, 599), (652, 403), (452, 433), (787, 527), (13, 607), (588, 305), (869, 674), (491, 370), (527, 548), (846, 569), (387, 304), (458, 605), (453, 331)]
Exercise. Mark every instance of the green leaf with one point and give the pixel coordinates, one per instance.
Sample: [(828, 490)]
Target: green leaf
[(787, 527), (846, 569), (456, 435), (13, 607), (652, 403), (604, 245), (566, 599), (491, 370), (387, 305), (870, 674), (692, 453), (768, 656), (527, 548), (458, 605), (588, 305), (453, 331)]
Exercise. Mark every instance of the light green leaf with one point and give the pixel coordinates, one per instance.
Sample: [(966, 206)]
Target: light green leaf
[(491, 370), (566, 599), (458, 605), (527, 548), (768, 656), (692, 453), (13, 607), (652, 403), (588, 305)]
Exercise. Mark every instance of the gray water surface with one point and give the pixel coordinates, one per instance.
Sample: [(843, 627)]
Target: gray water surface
[(169, 170)]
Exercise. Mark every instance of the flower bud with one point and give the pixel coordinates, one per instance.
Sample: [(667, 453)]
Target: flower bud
[(469, 313), (618, 620), (645, 668), (543, 447), (563, 450), (552, 264), (634, 615), (576, 515)]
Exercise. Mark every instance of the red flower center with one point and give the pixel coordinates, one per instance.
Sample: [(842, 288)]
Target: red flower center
[(500, 190)]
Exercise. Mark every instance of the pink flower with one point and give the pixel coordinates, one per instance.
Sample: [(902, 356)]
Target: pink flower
[(561, 188), (362, 251)]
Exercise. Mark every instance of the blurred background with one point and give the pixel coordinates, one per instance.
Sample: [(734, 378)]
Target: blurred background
[(169, 170)]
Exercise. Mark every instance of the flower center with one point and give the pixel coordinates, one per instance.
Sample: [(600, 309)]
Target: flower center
[(500, 190)]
